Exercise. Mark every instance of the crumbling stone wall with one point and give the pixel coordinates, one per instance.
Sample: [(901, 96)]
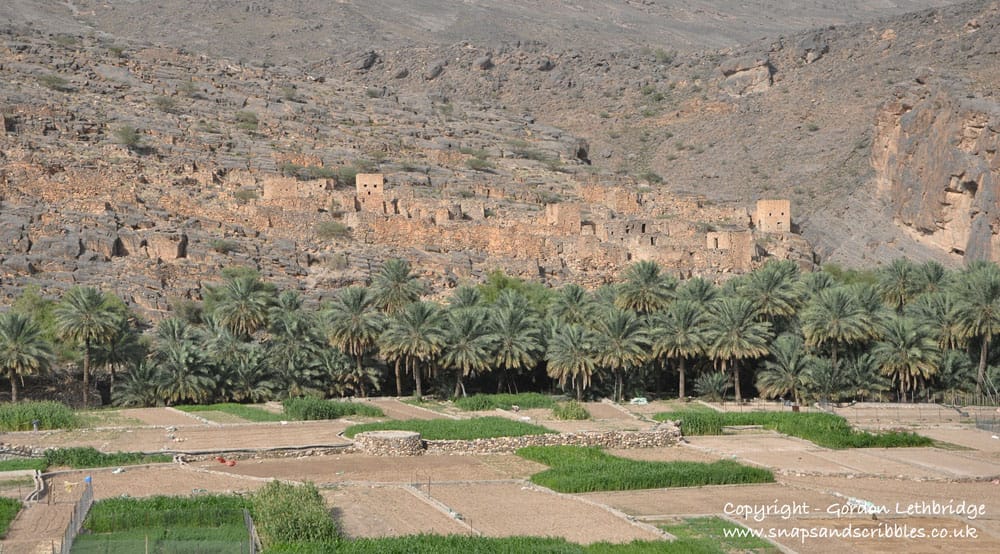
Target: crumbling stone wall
[(773, 216)]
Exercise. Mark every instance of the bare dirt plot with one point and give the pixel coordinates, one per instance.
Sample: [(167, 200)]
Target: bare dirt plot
[(36, 527), (513, 509), (946, 463), (603, 410), (966, 436), (543, 417), (394, 409), (380, 469), (367, 511), (192, 439), (161, 416), (155, 480)]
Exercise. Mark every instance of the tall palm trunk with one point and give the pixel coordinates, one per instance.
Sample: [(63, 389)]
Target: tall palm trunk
[(417, 378), (399, 380), (619, 386), (86, 372), (579, 389), (680, 383), (361, 377), (12, 375), (736, 380), (981, 374)]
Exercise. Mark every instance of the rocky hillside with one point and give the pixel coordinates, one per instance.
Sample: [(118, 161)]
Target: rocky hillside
[(152, 165)]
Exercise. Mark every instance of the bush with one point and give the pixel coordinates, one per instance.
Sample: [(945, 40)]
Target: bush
[(312, 408), (570, 410), (50, 415), (19, 464), (828, 430), (483, 402), (286, 513), (8, 511), (88, 457), (245, 195), (576, 469), (479, 164), (328, 230), (452, 429), (128, 136), (247, 120), (55, 82), (223, 246), (165, 104)]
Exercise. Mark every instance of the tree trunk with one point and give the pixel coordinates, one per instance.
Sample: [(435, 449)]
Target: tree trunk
[(680, 383), (619, 386), (981, 374), (736, 380), (399, 380), (579, 389), (458, 384), (417, 379), (361, 378), (86, 372), (13, 385)]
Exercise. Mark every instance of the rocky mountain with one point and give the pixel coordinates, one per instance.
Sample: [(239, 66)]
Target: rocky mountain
[(148, 146)]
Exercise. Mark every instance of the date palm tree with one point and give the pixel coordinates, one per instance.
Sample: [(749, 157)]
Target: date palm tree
[(84, 316), (518, 331), (469, 344), (571, 357), (395, 286), (898, 283), (122, 349), (140, 387), (573, 305), (242, 303), (734, 333), (353, 325), (787, 370), (772, 291), (834, 319), (679, 334), (186, 374), (23, 349), (416, 335), (645, 288), (979, 312), (697, 290), (907, 353), (622, 344)]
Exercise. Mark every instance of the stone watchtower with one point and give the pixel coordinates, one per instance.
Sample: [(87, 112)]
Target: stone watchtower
[(773, 216), (370, 192)]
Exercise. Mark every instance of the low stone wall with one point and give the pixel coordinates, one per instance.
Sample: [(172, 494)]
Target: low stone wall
[(389, 443), (664, 434)]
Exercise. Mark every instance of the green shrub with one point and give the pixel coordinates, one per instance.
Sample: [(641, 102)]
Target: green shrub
[(570, 410), (8, 511), (54, 82), (88, 457), (242, 411), (482, 402), (327, 230), (312, 408), (286, 513), (826, 430), (479, 164), (452, 429), (165, 104), (245, 195), (575, 469), (223, 246), (247, 120), (50, 415), (128, 136)]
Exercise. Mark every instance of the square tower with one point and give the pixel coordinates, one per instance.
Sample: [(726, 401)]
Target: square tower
[(773, 216), (370, 192)]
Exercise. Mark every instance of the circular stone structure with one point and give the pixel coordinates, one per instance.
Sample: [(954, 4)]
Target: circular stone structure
[(390, 443)]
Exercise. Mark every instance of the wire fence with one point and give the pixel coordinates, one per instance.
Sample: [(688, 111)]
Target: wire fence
[(80, 510)]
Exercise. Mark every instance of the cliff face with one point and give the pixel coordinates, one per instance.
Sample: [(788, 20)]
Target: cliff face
[(937, 162)]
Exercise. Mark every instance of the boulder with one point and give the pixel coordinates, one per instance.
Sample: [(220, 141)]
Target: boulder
[(746, 75), (483, 62), (366, 61), (811, 47), (434, 70)]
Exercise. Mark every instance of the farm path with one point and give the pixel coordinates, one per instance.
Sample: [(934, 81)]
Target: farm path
[(40, 525), (394, 409)]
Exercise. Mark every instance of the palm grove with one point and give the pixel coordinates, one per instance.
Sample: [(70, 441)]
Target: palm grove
[(906, 332)]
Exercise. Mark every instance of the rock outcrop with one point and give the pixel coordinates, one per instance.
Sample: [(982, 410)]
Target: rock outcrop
[(937, 162), (746, 75)]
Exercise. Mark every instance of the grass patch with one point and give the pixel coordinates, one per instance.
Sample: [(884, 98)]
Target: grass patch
[(210, 523), (242, 411), (570, 410), (8, 511), (50, 415), (451, 429), (106, 418), (576, 469), (711, 532), (311, 408), (17, 465), (292, 514), (483, 402), (826, 430), (87, 457)]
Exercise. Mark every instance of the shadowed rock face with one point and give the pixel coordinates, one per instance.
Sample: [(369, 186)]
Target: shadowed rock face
[(936, 154)]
